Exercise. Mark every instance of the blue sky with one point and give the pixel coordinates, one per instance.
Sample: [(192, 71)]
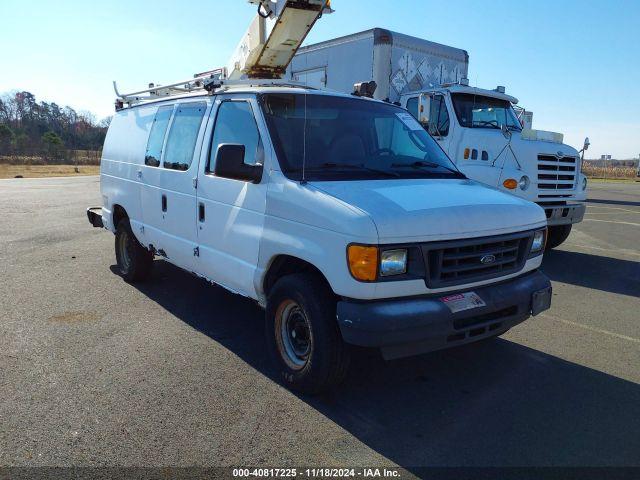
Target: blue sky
[(576, 64)]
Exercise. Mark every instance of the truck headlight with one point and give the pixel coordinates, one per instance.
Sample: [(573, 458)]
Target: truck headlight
[(524, 183), (584, 183), (539, 239), (393, 262)]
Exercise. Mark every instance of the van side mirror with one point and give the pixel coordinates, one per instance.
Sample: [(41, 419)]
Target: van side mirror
[(424, 108), (230, 164)]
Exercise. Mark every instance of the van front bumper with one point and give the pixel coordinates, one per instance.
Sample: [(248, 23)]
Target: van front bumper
[(403, 327)]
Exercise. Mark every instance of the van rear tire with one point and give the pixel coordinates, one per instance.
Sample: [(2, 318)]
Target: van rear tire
[(303, 336), (134, 261), (557, 235)]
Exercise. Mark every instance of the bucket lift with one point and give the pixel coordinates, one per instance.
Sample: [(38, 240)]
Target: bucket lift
[(274, 37), (264, 52)]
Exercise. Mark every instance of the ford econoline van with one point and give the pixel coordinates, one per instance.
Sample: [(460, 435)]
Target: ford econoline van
[(339, 215)]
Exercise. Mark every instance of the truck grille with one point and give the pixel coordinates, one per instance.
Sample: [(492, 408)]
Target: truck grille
[(556, 173), (458, 262)]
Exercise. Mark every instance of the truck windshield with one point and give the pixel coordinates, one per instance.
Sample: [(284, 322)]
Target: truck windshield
[(322, 137), (476, 111)]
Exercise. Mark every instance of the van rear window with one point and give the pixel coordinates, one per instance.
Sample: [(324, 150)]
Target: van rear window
[(156, 137), (183, 136)]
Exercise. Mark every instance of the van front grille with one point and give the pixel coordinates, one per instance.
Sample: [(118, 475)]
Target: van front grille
[(556, 173), (458, 262)]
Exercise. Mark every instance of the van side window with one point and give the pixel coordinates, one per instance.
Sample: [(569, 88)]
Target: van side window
[(412, 106), (183, 135), (156, 137), (235, 123), (438, 117)]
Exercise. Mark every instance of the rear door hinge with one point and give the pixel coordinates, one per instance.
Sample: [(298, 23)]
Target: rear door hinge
[(196, 252)]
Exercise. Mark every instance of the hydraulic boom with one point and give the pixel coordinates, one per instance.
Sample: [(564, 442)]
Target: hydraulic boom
[(265, 51), (274, 37)]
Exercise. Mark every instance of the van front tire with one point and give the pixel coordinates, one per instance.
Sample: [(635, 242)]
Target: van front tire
[(303, 336), (134, 261)]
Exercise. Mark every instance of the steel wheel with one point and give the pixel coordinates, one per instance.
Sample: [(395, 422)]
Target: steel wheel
[(293, 334), (125, 254)]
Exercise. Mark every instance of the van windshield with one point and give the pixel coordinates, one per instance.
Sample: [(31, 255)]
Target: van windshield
[(322, 137), (477, 111)]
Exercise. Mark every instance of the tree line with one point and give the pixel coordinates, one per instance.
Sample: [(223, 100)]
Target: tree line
[(32, 128)]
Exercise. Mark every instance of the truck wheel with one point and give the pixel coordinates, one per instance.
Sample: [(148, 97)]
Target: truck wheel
[(134, 261), (303, 335), (557, 235)]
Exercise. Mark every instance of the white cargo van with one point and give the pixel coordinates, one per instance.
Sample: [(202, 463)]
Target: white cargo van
[(477, 128), (339, 215)]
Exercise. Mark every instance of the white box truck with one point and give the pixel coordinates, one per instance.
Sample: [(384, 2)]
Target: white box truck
[(477, 128)]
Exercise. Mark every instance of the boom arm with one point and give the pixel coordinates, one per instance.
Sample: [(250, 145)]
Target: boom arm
[(265, 51), (274, 37)]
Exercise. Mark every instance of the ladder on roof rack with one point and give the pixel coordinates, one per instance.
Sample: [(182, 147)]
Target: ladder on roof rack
[(264, 52), (198, 82)]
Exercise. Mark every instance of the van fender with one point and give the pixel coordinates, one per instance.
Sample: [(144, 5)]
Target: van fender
[(326, 250)]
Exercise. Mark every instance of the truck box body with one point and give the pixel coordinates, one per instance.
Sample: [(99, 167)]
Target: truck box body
[(397, 63)]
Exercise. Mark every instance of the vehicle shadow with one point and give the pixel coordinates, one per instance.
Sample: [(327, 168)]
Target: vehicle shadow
[(496, 404), (614, 202), (593, 271)]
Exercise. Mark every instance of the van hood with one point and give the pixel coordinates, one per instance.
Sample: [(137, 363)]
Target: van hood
[(435, 209)]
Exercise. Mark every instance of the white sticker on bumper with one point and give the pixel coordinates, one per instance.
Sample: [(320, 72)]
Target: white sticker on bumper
[(463, 301)]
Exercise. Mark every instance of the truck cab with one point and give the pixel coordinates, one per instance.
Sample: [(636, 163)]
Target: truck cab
[(482, 134)]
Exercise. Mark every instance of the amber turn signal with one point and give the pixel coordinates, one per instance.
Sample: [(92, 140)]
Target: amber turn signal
[(466, 153), (510, 183), (363, 262)]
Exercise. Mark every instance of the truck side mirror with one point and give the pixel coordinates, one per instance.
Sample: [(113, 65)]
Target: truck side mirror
[(424, 107), (230, 164), (586, 144)]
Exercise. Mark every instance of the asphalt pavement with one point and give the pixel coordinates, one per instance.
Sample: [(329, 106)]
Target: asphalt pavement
[(174, 372)]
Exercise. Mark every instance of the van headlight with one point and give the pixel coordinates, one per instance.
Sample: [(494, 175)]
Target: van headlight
[(393, 262), (524, 183), (584, 183), (539, 240)]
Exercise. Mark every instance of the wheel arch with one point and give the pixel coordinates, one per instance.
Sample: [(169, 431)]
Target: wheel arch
[(283, 265), (118, 213)]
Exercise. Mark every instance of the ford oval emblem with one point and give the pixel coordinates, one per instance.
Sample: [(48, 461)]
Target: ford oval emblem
[(488, 259)]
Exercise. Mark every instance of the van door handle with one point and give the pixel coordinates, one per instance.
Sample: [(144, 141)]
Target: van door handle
[(164, 202), (201, 212)]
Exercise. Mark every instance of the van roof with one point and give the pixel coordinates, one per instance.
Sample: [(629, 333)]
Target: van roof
[(243, 89)]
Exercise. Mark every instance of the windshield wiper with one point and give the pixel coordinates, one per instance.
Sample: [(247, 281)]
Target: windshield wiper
[(425, 164), (329, 165), (417, 164)]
